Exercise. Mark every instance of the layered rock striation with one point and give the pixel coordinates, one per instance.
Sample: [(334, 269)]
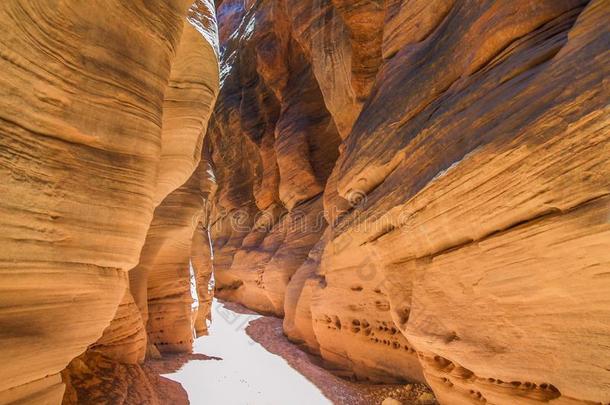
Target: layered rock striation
[(420, 189), (103, 112)]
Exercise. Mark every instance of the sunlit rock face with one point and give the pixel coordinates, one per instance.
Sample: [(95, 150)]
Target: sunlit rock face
[(98, 100), (157, 314), (201, 261), (172, 258), (454, 160), (421, 188)]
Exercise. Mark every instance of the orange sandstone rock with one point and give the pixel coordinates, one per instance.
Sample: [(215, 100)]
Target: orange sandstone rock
[(470, 187), (420, 188), (81, 111)]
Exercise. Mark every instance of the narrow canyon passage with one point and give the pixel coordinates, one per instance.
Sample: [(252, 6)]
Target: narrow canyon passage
[(239, 369), (246, 359), (415, 194)]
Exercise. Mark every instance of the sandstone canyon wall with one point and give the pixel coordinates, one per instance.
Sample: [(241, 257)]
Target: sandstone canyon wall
[(421, 189), (103, 108)]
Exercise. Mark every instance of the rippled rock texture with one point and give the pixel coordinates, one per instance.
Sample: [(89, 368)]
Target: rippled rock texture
[(421, 189), (103, 110)]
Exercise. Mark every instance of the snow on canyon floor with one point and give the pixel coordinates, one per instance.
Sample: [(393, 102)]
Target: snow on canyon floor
[(247, 360)]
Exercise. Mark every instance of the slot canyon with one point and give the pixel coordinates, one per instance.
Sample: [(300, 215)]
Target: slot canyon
[(406, 201)]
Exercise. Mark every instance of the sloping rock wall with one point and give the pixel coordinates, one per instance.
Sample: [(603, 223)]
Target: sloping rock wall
[(455, 157), (98, 101), (158, 314)]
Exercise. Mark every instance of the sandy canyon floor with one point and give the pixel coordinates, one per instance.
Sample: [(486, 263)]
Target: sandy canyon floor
[(247, 360)]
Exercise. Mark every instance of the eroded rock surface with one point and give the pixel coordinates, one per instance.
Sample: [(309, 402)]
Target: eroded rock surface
[(463, 223), (158, 314), (420, 188), (98, 100)]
